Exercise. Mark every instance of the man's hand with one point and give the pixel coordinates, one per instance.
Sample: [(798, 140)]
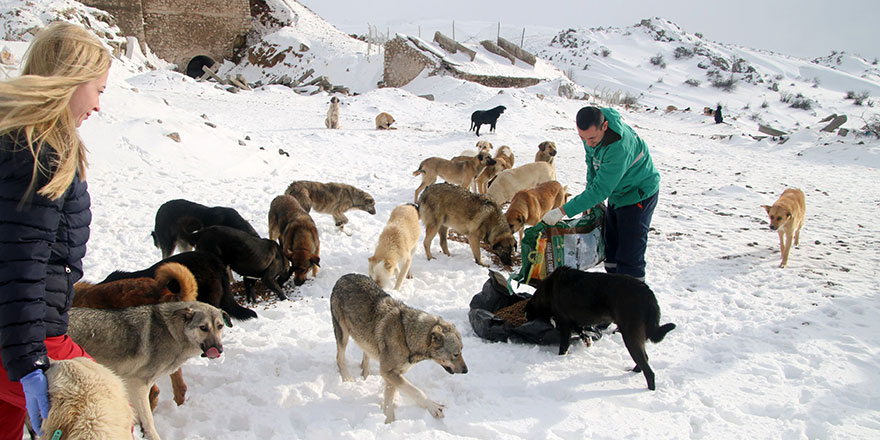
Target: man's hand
[(36, 395), (553, 216)]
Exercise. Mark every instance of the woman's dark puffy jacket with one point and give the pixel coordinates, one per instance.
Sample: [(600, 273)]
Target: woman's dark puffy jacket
[(43, 243)]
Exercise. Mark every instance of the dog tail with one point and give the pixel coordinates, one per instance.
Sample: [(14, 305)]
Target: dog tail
[(179, 280), (418, 171), (660, 332)]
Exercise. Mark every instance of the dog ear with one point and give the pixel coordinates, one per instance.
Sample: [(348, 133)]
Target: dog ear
[(437, 336), (388, 265), (226, 319), (315, 260), (187, 313), (766, 208)]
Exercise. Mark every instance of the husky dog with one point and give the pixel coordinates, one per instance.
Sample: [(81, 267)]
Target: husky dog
[(87, 401), (577, 299), (461, 170), (176, 219), (141, 344), (443, 206), (396, 335), (331, 198), (546, 152), (332, 120), (787, 218), (397, 245), (384, 121), (503, 161), (527, 176), (295, 230)]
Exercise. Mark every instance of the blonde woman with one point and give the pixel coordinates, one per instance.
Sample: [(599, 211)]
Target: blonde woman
[(44, 211)]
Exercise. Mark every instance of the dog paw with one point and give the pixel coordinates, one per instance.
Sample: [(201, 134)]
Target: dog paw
[(435, 409)]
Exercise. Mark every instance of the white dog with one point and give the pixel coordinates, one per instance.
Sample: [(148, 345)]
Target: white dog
[(396, 247)]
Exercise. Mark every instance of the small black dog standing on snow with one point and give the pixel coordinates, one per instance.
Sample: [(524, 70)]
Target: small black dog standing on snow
[(490, 117), (576, 299)]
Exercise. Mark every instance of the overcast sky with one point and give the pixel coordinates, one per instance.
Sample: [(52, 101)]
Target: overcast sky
[(802, 28)]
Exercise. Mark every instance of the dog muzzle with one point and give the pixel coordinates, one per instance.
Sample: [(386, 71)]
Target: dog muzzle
[(212, 352)]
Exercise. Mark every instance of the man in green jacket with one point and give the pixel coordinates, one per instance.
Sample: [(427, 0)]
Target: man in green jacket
[(620, 169)]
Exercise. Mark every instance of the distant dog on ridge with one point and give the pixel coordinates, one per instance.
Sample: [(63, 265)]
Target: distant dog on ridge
[(332, 120), (384, 121), (489, 117), (787, 218)]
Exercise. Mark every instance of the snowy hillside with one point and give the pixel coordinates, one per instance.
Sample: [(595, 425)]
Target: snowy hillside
[(758, 352)]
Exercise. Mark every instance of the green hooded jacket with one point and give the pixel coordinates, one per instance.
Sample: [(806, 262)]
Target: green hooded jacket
[(621, 171)]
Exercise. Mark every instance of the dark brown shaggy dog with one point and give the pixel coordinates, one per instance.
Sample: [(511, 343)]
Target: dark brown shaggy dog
[(331, 198), (211, 277), (577, 299), (177, 219), (173, 282), (251, 257), (295, 231), (490, 117)]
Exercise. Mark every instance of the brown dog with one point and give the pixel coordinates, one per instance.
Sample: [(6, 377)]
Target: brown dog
[(529, 205), (787, 218), (295, 230), (384, 121), (546, 152), (460, 172), (504, 161)]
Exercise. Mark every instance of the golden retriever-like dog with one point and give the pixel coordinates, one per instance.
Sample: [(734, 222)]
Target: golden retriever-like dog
[(529, 205), (546, 152), (396, 247), (87, 402), (384, 121), (460, 172), (787, 218), (503, 161)]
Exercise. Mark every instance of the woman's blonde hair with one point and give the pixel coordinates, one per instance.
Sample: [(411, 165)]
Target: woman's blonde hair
[(36, 105)]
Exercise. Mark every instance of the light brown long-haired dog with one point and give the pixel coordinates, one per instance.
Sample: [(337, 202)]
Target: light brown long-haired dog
[(529, 205), (87, 402), (384, 121), (787, 218), (397, 244), (503, 161), (546, 152)]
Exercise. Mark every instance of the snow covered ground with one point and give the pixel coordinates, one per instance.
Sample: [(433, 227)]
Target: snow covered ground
[(758, 352)]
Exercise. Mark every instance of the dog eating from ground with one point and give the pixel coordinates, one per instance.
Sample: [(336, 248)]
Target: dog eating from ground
[(575, 299), (332, 119), (295, 231), (546, 152), (396, 335), (511, 181), (490, 117), (87, 401), (331, 198), (787, 218), (443, 206), (529, 205), (177, 219), (396, 247), (141, 344), (251, 257), (384, 121), (503, 161), (460, 171)]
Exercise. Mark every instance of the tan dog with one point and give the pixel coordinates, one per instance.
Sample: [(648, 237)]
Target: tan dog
[(295, 230), (529, 205), (787, 218), (546, 152), (332, 120), (504, 161), (397, 245), (460, 172), (527, 176), (484, 147), (384, 121), (87, 402)]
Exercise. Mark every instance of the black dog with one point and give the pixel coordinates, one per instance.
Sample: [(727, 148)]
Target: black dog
[(576, 299), (249, 256), (211, 277), (490, 117), (177, 219)]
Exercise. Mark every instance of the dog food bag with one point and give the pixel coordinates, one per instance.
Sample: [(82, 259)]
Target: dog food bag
[(576, 243)]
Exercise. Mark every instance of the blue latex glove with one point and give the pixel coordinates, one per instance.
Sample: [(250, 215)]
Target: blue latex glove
[(36, 395)]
